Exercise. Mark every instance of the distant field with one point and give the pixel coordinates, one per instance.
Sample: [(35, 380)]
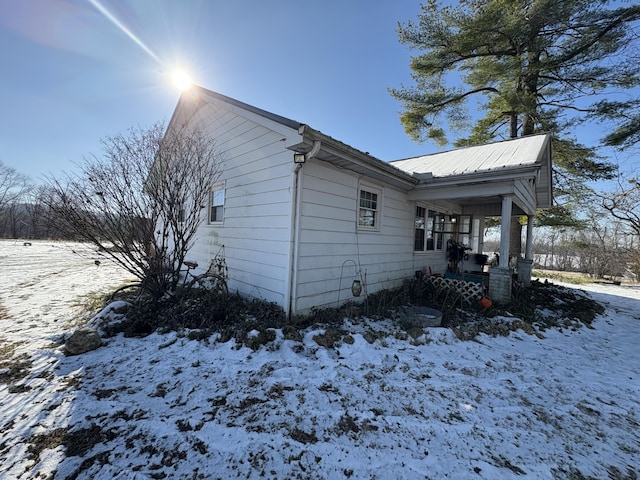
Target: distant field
[(572, 277)]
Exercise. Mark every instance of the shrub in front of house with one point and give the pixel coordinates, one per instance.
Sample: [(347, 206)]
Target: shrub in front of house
[(252, 322)]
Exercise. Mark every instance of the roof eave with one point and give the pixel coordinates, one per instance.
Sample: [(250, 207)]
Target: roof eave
[(344, 156)]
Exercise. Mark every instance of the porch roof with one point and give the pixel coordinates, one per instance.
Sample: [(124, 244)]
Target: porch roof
[(476, 178), (490, 157)]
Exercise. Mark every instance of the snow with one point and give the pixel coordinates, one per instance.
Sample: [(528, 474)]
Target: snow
[(562, 406)]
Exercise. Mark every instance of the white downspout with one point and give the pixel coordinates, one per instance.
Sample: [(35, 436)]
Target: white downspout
[(295, 229)]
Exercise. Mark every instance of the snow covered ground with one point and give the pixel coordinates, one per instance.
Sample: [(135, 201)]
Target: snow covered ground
[(563, 406)]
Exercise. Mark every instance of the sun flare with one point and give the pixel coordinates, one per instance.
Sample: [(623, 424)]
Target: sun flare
[(181, 80)]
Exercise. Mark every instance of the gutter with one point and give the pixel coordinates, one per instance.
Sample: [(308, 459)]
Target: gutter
[(358, 161)]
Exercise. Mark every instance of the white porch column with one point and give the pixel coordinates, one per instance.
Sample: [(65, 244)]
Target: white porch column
[(525, 265), (505, 231), (480, 246), (528, 252), (500, 276)]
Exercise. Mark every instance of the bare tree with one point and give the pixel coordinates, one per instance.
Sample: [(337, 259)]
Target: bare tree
[(35, 222), (623, 203), (14, 186), (142, 202)]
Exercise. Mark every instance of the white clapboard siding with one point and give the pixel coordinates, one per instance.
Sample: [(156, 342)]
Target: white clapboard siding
[(257, 176), (330, 244)]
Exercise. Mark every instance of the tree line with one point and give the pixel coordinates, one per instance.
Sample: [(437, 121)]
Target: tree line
[(23, 211)]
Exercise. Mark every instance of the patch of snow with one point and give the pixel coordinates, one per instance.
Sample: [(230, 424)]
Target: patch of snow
[(165, 406)]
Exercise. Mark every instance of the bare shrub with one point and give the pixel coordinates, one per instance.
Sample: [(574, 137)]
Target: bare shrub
[(142, 201)]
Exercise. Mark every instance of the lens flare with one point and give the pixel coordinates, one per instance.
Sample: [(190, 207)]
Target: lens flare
[(181, 79), (124, 29)]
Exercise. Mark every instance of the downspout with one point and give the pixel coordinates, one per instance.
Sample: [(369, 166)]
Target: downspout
[(295, 227)]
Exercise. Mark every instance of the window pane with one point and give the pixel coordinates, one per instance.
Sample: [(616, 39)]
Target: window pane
[(217, 197), (216, 214), (367, 218), (435, 224), (420, 218), (429, 230), (418, 244), (368, 200)]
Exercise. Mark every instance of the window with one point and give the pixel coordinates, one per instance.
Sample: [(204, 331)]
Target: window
[(418, 245), (216, 205), (369, 209), (437, 222), (427, 236), (432, 226)]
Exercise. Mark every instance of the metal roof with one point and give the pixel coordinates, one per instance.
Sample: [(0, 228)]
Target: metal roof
[(517, 152)]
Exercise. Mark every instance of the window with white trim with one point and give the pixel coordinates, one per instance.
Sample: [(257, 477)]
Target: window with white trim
[(427, 234), (369, 207), (432, 226), (216, 205), (420, 229)]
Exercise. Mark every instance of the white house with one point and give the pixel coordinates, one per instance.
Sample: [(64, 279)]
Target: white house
[(300, 215)]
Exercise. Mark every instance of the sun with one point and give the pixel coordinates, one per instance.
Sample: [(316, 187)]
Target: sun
[(181, 79)]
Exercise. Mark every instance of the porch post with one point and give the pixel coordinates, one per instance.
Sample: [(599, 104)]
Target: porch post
[(480, 246), (528, 253), (500, 276), (525, 265), (505, 231)]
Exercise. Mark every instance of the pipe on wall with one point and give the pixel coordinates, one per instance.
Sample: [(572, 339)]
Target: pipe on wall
[(295, 226)]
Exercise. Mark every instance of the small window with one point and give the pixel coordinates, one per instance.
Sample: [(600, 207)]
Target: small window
[(438, 224), (418, 245), (369, 209), (428, 230), (216, 205)]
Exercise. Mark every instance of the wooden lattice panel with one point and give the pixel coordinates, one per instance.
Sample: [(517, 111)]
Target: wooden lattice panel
[(469, 291)]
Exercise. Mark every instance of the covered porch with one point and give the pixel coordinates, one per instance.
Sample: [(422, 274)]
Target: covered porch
[(510, 179)]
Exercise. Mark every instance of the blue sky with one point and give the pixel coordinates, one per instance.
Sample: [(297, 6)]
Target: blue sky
[(71, 76)]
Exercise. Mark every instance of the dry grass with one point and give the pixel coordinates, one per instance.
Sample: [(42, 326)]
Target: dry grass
[(14, 369), (576, 278), (7, 349)]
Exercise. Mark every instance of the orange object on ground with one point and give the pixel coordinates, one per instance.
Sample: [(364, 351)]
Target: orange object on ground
[(485, 302)]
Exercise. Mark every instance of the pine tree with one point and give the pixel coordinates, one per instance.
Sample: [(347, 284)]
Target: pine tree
[(531, 66)]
